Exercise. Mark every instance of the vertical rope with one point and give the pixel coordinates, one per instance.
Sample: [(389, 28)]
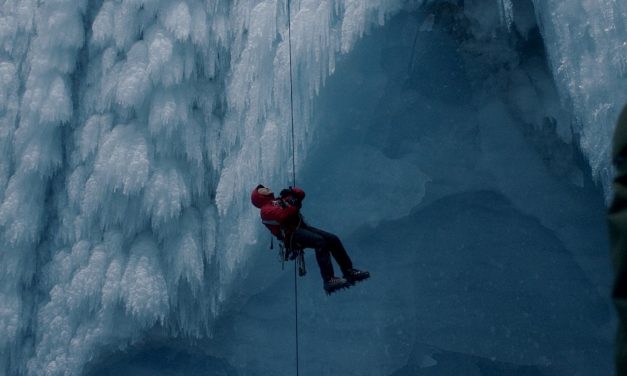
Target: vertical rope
[(289, 42)]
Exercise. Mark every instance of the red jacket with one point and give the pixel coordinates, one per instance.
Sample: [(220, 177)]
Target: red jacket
[(277, 213)]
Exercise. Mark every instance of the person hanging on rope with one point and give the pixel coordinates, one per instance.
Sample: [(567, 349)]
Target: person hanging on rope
[(282, 217)]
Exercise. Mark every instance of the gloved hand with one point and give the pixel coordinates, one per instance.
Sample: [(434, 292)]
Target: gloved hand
[(287, 192), (294, 202)]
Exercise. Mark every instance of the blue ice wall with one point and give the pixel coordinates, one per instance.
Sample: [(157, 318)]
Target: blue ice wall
[(484, 231), (486, 241), (133, 131)]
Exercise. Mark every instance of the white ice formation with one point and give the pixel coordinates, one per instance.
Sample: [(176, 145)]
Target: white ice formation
[(587, 47), (132, 131)]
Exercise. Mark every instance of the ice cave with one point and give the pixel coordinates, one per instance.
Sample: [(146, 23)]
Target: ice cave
[(459, 148)]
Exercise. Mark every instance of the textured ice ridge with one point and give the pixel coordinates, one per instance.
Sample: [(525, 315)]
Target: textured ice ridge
[(587, 46)]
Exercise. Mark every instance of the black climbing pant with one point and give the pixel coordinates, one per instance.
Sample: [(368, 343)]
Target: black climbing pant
[(325, 244)]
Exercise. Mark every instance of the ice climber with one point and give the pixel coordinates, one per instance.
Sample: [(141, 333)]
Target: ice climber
[(282, 217)]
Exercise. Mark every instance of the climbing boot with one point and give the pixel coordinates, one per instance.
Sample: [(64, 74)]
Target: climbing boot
[(334, 283), (356, 275)]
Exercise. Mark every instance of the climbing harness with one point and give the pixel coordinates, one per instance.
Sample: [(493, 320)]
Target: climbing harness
[(296, 252), (288, 252)]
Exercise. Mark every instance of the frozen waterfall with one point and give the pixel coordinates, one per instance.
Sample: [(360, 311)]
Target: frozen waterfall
[(461, 148)]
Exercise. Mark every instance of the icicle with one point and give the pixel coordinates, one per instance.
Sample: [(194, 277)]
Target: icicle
[(506, 12)]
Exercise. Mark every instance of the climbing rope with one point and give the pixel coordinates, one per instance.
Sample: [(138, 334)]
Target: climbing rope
[(289, 42), (296, 312)]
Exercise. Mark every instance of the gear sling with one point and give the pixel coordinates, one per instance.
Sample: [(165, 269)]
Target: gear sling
[(287, 250)]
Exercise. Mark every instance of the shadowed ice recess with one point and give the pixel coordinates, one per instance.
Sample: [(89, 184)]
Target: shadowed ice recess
[(458, 148)]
